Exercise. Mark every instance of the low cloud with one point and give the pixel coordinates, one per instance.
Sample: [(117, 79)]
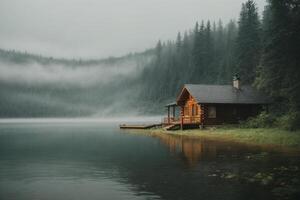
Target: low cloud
[(83, 76)]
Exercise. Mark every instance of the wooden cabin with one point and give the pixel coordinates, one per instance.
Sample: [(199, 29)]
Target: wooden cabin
[(201, 105)]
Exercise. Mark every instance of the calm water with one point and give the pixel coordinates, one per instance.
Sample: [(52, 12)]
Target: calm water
[(99, 161)]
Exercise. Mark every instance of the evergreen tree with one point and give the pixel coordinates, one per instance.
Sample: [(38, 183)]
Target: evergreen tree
[(198, 53), (219, 51), (279, 72), (248, 42), (196, 49), (208, 68), (178, 42), (158, 50), (229, 55)]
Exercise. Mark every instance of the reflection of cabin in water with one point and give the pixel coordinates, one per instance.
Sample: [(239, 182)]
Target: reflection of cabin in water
[(202, 105), (192, 150)]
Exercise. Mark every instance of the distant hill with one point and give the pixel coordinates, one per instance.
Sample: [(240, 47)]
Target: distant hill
[(38, 86)]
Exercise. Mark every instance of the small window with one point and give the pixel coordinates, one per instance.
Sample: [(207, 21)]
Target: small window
[(212, 113)]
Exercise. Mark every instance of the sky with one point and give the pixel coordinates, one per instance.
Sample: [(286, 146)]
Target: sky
[(102, 28)]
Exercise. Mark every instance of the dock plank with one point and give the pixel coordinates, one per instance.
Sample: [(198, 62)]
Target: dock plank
[(128, 126)]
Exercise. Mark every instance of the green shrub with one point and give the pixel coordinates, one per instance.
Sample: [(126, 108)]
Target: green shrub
[(289, 121), (263, 120)]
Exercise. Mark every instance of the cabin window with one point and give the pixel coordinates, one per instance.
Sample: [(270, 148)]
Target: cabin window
[(197, 109), (212, 113)]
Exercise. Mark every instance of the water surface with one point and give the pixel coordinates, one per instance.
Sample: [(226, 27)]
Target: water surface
[(93, 160)]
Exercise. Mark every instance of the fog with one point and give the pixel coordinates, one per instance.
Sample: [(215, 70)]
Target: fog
[(102, 28), (119, 120), (43, 87), (85, 76)]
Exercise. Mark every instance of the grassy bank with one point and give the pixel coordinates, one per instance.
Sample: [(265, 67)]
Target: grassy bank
[(263, 136)]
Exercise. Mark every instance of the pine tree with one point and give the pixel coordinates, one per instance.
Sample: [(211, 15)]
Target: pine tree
[(178, 42), (229, 55), (248, 42), (279, 72), (198, 53), (219, 51), (209, 69), (158, 51)]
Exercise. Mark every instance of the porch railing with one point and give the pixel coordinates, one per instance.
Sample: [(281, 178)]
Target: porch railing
[(171, 120), (186, 120)]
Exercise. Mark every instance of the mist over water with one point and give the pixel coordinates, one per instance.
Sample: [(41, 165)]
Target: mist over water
[(104, 120), (46, 87), (34, 74)]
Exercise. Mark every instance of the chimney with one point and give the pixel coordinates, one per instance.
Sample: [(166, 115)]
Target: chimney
[(236, 82)]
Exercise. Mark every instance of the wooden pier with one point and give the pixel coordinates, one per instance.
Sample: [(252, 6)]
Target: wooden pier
[(127, 126)]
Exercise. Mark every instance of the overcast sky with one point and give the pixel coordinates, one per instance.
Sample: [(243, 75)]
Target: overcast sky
[(101, 28)]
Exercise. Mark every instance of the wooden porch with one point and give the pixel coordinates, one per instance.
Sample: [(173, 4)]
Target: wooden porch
[(184, 119), (187, 116)]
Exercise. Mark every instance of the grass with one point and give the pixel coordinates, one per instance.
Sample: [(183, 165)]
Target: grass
[(261, 136)]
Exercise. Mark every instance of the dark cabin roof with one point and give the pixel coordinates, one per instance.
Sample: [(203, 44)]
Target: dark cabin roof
[(225, 94)]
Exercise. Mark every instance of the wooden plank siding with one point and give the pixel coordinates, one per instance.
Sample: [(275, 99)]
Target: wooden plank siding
[(230, 113), (191, 111), (198, 114)]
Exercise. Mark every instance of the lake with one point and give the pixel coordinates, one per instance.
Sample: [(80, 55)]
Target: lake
[(96, 160)]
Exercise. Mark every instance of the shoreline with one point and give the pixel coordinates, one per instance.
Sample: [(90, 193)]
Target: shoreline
[(252, 136)]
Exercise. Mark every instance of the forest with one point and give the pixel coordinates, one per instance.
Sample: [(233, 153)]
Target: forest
[(262, 49)]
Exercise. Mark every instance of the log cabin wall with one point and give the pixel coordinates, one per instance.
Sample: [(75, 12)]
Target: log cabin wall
[(192, 110), (229, 113)]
